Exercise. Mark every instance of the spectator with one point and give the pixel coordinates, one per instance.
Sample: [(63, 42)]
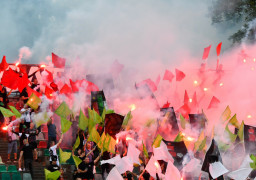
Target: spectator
[(26, 115), (52, 150), (85, 168), (53, 166), (33, 132), (51, 132), (88, 151), (24, 96), (35, 86), (12, 144), (3, 101), (27, 152)]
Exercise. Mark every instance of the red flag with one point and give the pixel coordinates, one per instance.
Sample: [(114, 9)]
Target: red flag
[(186, 98), (166, 105), (206, 52), (65, 89), (58, 61), (49, 77), (218, 48), (54, 86), (4, 65), (75, 85), (23, 82), (194, 100), (10, 79), (30, 91), (168, 75), (116, 68), (184, 110), (179, 75), (150, 84), (158, 80), (214, 103), (91, 87), (49, 92)]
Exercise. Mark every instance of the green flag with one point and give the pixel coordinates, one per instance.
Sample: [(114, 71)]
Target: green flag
[(145, 152), (157, 141), (76, 143), (111, 144), (101, 142), (149, 122), (182, 122), (226, 114), (15, 111), (253, 164), (234, 121), (33, 101), (51, 175), (94, 135), (65, 125), (41, 119), (83, 121), (232, 136), (64, 156), (127, 118), (179, 137), (77, 160), (63, 110), (6, 112), (94, 118), (200, 143), (240, 132)]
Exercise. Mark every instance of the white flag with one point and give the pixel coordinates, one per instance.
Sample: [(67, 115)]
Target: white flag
[(217, 169)]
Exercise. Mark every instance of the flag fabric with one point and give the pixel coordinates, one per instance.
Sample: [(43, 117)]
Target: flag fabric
[(179, 75), (51, 175), (65, 125), (151, 167), (116, 68), (114, 174), (234, 121), (15, 111), (217, 169), (49, 76), (133, 153), (6, 112), (10, 79), (41, 119), (179, 137), (63, 110), (162, 153), (113, 160), (65, 90), (206, 52), (4, 65), (91, 87), (214, 103), (83, 121), (94, 118), (218, 49), (125, 164), (33, 101), (232, 136), (76, 143), (200, 143), (49, 92), (32, 91), (127, 118), (77, 160), (172, 172), (157, 141), (23, 82), (101, 142), (64, 156), (58, 61), (158, 80), (111, 144), (94, 135), (186, 98), (194, 104), (240, 132), (113, 123), (144, 149), (168, 75), (253, 164), (54, 86), (149, 83), (226, 114), (182, 122), (184, 110), (166, 105), (75, 85)]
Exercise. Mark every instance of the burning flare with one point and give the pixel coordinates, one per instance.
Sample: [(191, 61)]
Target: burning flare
[(156, 164), (43, 66), (132, 107), (17, 64), (128, 138), (4, 128)]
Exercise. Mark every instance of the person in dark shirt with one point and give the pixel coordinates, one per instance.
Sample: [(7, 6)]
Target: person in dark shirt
[(33, 132), (53, 166), (51, 132), (35, 86), (24, 95), (85, 168), (27, 152)]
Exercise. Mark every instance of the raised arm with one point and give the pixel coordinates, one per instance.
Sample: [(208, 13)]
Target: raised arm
[(61, 138), (98, 158)]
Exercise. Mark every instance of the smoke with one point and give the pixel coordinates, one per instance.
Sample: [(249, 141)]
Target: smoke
[(24, 53)]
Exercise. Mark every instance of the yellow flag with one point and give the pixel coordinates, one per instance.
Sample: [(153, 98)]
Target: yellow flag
[(77, 160), (231, 135), (94, 135), (157, 141), (226, 114), (234, 121), (100, 144), (241, 132), (64, 156), (33, 101)]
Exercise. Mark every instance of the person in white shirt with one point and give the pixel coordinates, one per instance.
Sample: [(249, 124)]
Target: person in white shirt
[(52, 150)]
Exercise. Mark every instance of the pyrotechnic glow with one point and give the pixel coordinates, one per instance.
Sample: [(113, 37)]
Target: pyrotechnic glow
[(249, 116), (254, 60), (51, 95), (190, 100), (132, 107), (244, 60), (205, 89), (4, 128), (190, 138), (128, 138), (221, 84), (195, 82), (116, 140), (43, 66), (181, 178), (156, 164), (17, 64)]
